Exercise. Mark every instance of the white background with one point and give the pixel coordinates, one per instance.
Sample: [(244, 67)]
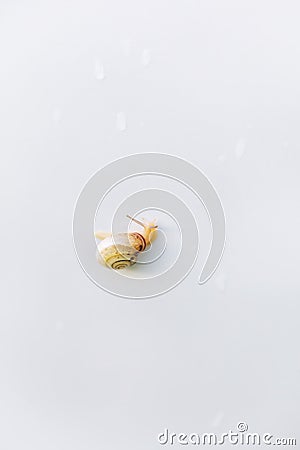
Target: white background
[(83, 83)]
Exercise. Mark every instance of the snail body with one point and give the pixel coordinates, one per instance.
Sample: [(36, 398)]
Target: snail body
[(121, 250)]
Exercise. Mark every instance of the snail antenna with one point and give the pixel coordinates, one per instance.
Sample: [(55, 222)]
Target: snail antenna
[(135, 220), (144, 225)]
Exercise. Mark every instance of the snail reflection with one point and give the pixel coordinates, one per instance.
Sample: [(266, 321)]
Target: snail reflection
[(121, 250)]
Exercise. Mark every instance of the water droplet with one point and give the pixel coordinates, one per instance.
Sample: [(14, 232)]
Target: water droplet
[(99, 70), (222, 158), (240, 148), (218, 419), (121, 121), (146, 57), (56, 115)]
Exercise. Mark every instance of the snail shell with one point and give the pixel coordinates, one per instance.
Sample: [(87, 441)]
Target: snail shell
[(121, 250)]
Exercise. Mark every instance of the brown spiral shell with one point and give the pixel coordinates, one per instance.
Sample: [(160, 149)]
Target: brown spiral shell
[(137, 241)]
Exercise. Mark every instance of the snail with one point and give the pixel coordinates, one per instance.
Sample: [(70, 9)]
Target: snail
[(121, 250)]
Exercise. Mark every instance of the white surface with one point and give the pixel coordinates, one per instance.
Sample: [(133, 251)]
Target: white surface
[(83, 83)]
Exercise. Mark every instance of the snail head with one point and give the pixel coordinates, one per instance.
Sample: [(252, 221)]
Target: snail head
[(150, 228)]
